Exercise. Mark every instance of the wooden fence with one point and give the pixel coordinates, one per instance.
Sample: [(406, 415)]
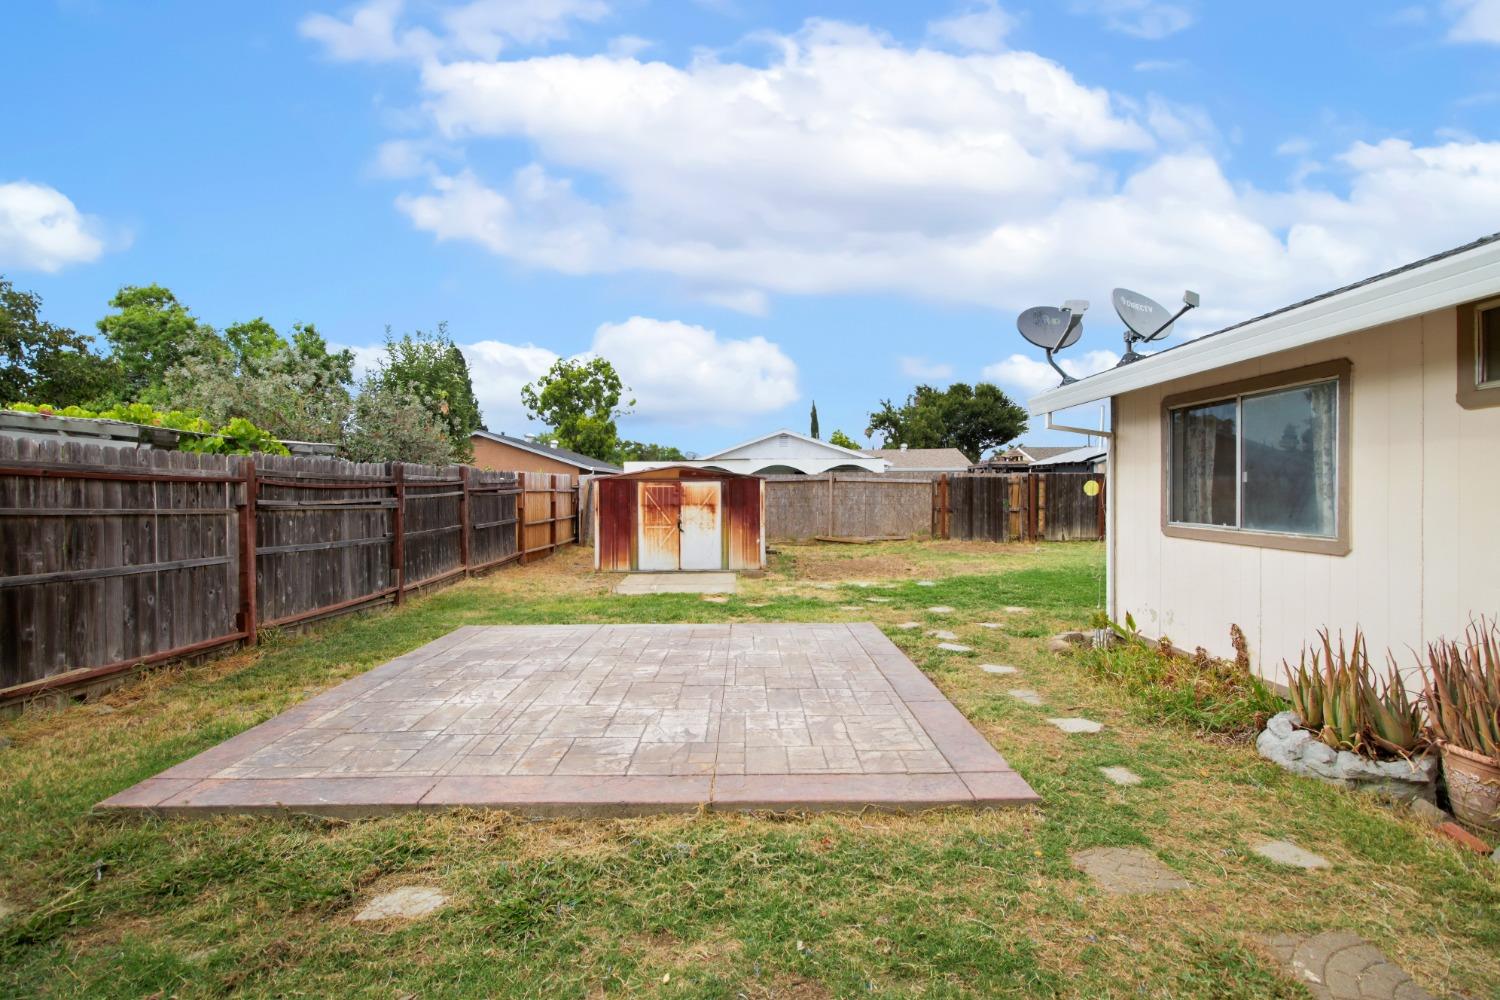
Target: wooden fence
[(112, 557), (1000, 508), (847, 506)]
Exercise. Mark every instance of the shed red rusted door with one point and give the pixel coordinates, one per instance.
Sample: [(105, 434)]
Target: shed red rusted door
[(700, 540), (660, 527)]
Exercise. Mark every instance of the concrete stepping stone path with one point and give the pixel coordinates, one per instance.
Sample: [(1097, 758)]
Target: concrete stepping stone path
[(1284, 852), (954, 647), (908, 626), (1077, 725), (1341, 965), (1016, 611), (926, 583), (1121, 775), (942, 633), (410, 902), (878, 600), (1026, 696), (1128, 871), (998, 668), (988, 624), (940, 609)]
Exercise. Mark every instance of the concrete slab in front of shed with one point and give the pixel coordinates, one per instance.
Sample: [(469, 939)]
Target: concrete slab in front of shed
[(609, 720), (677, 583)]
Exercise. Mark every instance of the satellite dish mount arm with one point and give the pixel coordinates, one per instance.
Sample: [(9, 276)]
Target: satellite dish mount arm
[(1074, 318)]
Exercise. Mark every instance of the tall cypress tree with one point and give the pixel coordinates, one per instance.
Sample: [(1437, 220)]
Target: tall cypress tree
[(815, 418)]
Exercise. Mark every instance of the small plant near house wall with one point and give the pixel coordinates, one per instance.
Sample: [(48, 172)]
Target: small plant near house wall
[(1338, 696), (1461, 686)]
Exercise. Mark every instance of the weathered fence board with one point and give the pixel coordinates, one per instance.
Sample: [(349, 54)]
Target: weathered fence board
[(847, 506), (1025, 507), (113, 557)]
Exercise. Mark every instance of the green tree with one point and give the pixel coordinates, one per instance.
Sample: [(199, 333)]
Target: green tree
[(390, 424), (972, 419), (640, 451), (843, 440), (580, 402), (430, 368), (813, 428), (152, 333), (44, 363)]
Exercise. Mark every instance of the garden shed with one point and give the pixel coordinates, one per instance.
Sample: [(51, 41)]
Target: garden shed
[(679, 518)]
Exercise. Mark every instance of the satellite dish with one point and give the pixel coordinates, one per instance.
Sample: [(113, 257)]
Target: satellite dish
[(1047, 327), (1053, 329), (1145, 318)]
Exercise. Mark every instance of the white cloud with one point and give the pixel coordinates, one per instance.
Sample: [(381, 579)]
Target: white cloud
[(1295, 146), (628, 46), (922, 368), (498, 371), (1475, 21), (42, 230), (682, 373), (980, 26), (1029, 376), (1147, 19), (373, 31)]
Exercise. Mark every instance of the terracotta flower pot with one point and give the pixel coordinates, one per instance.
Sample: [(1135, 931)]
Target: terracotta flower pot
[(1473, 786)]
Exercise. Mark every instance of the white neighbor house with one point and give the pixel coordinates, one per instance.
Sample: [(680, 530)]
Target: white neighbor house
[(781, 453), (1334, 463)]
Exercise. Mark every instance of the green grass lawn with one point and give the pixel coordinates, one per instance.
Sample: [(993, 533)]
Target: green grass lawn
[(942, 904)]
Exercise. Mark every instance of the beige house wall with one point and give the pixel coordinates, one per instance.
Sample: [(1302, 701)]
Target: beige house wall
[(501, 457), (1425, 514)]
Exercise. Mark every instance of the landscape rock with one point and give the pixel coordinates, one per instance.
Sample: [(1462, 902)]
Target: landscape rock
[(410, 902), (1429, 813), (1125, 871), (1121, 775), (1300, 752), (1284, 852), (1065, 642)]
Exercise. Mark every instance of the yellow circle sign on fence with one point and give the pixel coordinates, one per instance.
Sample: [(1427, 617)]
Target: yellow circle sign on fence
[(1091, 487)]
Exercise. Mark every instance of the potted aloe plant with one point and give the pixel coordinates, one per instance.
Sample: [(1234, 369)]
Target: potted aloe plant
[(1461, 685)]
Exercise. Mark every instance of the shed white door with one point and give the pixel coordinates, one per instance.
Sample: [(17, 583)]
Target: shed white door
[(702, 540), (657, 541)]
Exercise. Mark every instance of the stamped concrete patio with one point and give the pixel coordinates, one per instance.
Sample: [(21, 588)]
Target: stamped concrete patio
[(609, 720)]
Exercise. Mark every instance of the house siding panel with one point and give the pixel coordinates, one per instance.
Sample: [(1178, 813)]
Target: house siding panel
[(1424, 533)]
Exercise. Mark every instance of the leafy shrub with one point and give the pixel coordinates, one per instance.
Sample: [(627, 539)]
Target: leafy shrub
[(1202, 691), (236, 437), (1461, 685), (1338, 696)]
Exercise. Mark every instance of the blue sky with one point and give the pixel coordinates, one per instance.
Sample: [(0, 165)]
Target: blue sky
[(745, 205)]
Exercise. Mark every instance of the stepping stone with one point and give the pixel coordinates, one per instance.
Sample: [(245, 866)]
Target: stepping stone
[(878, 600), (1026, 696), (908, 626), (942, 633), (826, 586), (940, 609), (988, 624), (1341, 965), (717, 600), (410, 902), (1128, 871), (851, 607), (1077, 725), (998, 668), (926, 583), (1121, 775), (1284, 852), (953, 647), (1016, 611)]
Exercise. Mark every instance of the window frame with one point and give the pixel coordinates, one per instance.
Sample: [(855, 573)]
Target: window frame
[(1339, 371), (1472, 393)]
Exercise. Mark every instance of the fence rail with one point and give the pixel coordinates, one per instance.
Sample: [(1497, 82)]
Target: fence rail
[(111, 557)]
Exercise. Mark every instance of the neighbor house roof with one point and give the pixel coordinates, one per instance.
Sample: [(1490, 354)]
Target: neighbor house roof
[(775, 443), (781, 451), (1032, 452), (922, 459), (1462, 274), (1072, 456), (547, 451)]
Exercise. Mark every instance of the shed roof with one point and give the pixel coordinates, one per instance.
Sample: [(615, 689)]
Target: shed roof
[(1463, 274), (547, 451)]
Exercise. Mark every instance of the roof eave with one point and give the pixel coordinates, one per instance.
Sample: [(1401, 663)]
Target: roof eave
[(1439, 284)]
